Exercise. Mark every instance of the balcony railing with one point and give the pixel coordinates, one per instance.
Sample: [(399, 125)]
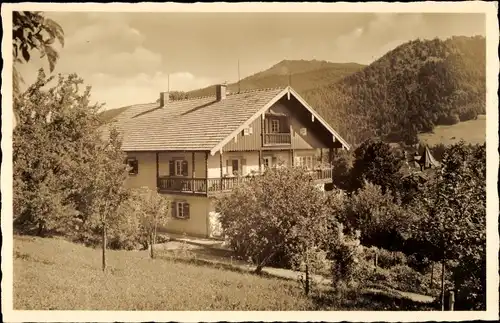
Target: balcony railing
[(210, 186), (277, 139)]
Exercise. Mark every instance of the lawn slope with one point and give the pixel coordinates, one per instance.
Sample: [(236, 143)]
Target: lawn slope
[(59, 275), (472, 131)]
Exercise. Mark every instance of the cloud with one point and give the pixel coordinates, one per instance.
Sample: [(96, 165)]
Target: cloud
[(141, 88)]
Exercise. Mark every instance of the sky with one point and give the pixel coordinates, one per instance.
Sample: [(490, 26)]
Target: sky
[(128, 58)]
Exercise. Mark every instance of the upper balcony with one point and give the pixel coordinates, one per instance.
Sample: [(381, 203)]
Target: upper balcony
[(276, 130), (216, 186), (277, 139)]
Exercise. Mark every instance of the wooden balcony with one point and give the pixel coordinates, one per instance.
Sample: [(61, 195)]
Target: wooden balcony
[(277, 139), (215, 186)]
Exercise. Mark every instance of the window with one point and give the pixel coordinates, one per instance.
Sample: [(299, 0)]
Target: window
[(180, 210), (304, 161), (269, 161), (275, 126), (134, 166), (247, 131), (178, 167), (235, 166)]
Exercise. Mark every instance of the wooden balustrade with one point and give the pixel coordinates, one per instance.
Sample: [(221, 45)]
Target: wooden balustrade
[(277, 139), (206, 186)]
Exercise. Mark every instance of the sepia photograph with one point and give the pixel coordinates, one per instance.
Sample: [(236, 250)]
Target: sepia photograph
[(217, 158)]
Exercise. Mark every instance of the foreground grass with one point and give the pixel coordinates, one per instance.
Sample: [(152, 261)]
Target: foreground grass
[(472, 131), (53, 274)]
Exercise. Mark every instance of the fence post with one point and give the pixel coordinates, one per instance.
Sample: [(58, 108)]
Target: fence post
[(451, 300), (432, 275)]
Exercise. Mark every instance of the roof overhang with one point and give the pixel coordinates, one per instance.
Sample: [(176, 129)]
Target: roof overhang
[(287, 91)]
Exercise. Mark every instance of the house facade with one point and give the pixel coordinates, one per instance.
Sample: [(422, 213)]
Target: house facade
[(194, 150)]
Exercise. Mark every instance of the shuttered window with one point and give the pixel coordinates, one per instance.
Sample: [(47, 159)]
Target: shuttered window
[(133, 165), (180, 210), (178, 167)]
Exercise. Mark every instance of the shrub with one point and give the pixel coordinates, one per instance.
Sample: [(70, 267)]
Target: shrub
[(388, 259), (449, 119), (378, 163), (279, 214), (380, 219), (345, 252)]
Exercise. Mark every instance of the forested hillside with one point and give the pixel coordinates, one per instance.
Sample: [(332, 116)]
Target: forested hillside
[(303, 75), (411, 89)]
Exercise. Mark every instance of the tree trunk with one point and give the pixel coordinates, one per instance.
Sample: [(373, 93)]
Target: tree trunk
[(104, 243), (432, 275), (442, 284), (151, 244), (307, 279), (41, 228), (258, 270)]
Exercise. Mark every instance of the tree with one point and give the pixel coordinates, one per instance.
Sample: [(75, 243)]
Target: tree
[(67, 180), (176, 96), (378, 216), (280, 212), (108, 191), (453, 221), (342, 166), (152, 209), (377, 163), (52, 146), (33, 31)]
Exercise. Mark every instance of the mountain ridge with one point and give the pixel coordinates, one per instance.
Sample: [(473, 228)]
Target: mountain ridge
[(409, 90)]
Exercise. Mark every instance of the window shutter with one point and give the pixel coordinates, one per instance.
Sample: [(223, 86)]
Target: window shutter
[(274, 162), (243, 166), (173, 210), (184, 168), (186, 210), (229, 167), (171, 168)]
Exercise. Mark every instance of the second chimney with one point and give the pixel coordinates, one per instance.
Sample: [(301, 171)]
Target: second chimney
[(220, 91), (164, 98)]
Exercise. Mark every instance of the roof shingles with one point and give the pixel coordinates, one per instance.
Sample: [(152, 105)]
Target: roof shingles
[(192, 124)]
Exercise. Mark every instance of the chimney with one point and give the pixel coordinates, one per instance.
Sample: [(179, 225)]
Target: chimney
[(164, 98), (220, 91)]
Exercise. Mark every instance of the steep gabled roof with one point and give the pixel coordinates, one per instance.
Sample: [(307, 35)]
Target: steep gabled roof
[(203, 124), (427, 160)]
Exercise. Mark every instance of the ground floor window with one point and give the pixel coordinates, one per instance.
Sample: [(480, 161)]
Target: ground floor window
[(180, 209), (304, 161), (133, 165)]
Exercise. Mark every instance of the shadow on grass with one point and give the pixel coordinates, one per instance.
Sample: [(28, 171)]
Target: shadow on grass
[(357, 300), (189, 258)]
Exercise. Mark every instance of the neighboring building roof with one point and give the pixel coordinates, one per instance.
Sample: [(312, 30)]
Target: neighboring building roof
[(198, 123), (427, 160)]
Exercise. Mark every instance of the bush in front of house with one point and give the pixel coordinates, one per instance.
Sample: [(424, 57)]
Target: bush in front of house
[(279, 216)]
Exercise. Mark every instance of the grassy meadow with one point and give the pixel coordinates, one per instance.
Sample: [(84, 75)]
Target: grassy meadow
[(472, 131), (54, 274)]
